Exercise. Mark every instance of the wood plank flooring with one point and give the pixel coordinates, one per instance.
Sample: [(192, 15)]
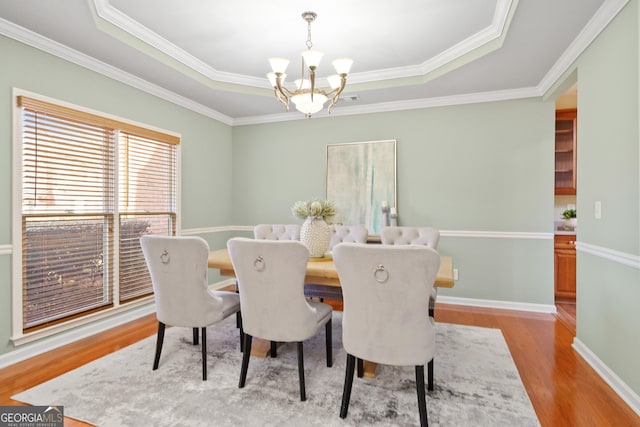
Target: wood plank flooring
[(563, 388)]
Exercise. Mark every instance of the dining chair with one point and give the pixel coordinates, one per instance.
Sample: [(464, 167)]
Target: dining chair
[(403, 235), (339, 234), (277, 232), (385, 319), (179, 275), (270, 277)]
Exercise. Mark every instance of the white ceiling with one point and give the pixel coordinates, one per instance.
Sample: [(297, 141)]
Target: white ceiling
[(212, 56)]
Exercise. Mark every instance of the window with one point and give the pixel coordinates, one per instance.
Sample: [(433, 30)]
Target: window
[(90, 187)]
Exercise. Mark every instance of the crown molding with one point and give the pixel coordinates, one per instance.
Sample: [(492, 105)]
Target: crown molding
[(597, 23), (496, 30), (385, 107), (59, 50), (110, 14)]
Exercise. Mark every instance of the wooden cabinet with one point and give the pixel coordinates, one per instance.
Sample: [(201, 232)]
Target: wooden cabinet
[(566, 148), (565, 267)]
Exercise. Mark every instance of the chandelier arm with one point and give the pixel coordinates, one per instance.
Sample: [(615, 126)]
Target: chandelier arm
[(336, 97), (280, 92), (312, 79)]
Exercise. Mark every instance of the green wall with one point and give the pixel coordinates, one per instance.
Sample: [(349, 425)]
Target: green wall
[(206, 143), (608, 290), (470, 168), (482, 173)]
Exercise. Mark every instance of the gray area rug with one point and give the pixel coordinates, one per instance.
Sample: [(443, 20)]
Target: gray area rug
[(476, 384)]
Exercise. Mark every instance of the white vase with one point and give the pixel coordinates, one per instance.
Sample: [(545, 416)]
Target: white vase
[(315, 234), (571, 222)]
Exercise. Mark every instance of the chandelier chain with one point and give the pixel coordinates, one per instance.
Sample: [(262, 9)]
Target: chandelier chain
[(309, 44)]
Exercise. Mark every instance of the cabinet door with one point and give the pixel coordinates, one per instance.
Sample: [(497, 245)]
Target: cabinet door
[(565, 273), (566, 147)]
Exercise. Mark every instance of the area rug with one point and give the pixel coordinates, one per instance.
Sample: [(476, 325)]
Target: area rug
[(476, 383)]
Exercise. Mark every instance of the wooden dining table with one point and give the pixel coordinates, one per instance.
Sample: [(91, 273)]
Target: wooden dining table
[(321, 271)]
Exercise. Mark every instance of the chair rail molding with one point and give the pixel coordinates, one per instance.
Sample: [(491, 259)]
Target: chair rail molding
[(624, 258), (6, 249)]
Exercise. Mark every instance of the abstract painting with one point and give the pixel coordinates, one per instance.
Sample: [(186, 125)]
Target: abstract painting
[(361, 178)]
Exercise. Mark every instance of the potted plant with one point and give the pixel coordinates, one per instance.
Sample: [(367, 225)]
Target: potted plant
[(570, 217), (315, 232)]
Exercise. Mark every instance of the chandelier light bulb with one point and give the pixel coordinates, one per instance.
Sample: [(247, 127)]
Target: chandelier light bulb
[(342, 65), (279, 65), (334, 81), (312, 57)]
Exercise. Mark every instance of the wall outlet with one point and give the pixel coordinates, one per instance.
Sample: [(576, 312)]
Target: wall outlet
[(455, 274), (598, 209)]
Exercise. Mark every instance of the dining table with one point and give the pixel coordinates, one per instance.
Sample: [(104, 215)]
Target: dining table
[(322, 271)]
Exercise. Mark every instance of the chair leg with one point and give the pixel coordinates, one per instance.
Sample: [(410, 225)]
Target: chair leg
[(159, 341), (360, 368), (195, 336), (348, 382), (239, 325), (245, 359), (303, 394), (204, 354), (430, 373), (422, 402), (328, 333), (274, 349)]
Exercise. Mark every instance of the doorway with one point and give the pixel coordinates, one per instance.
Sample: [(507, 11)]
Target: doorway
[(565, 230)]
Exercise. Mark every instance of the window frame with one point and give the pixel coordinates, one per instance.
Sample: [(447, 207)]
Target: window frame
[(18, 336)]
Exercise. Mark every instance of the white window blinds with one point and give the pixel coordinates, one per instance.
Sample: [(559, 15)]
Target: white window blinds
[(75, 166)]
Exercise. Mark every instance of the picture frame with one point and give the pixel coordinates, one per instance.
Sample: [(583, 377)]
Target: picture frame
[(361, 179)]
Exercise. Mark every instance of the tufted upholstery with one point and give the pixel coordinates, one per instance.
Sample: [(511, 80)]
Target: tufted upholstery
[(428, 236), (348, 233), (178, 269), (277, 232), (339, 234), (271, 284), (385, 318)]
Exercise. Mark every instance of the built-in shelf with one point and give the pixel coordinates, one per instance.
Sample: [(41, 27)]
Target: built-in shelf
[(565, 149)]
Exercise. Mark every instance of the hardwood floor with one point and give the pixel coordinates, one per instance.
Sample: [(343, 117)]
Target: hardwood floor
[(564, 390)]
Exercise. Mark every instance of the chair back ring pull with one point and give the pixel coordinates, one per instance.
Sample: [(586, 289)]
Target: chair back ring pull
[(381, 274), (165, 258), (259, 263)]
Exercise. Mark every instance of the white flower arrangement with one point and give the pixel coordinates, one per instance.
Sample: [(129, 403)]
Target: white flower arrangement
[(313, 208)]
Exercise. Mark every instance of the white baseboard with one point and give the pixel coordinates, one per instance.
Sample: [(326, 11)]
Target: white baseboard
[(47, 344), (505, 305), (620, 387)]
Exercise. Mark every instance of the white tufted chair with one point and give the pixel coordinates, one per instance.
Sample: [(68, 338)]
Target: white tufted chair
[(339, 234), (271, 284), (277, 232), (179, 271), (385, 320), (348, 233), (427, 236)]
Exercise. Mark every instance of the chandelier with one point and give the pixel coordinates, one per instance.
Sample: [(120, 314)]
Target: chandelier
[(308, 98)]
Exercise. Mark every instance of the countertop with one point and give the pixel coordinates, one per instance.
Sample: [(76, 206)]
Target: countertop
[(562, 229)]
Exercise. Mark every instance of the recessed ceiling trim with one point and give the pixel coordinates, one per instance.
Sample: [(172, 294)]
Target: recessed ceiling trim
[(61, 51), (460, 53), (110, 14)]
